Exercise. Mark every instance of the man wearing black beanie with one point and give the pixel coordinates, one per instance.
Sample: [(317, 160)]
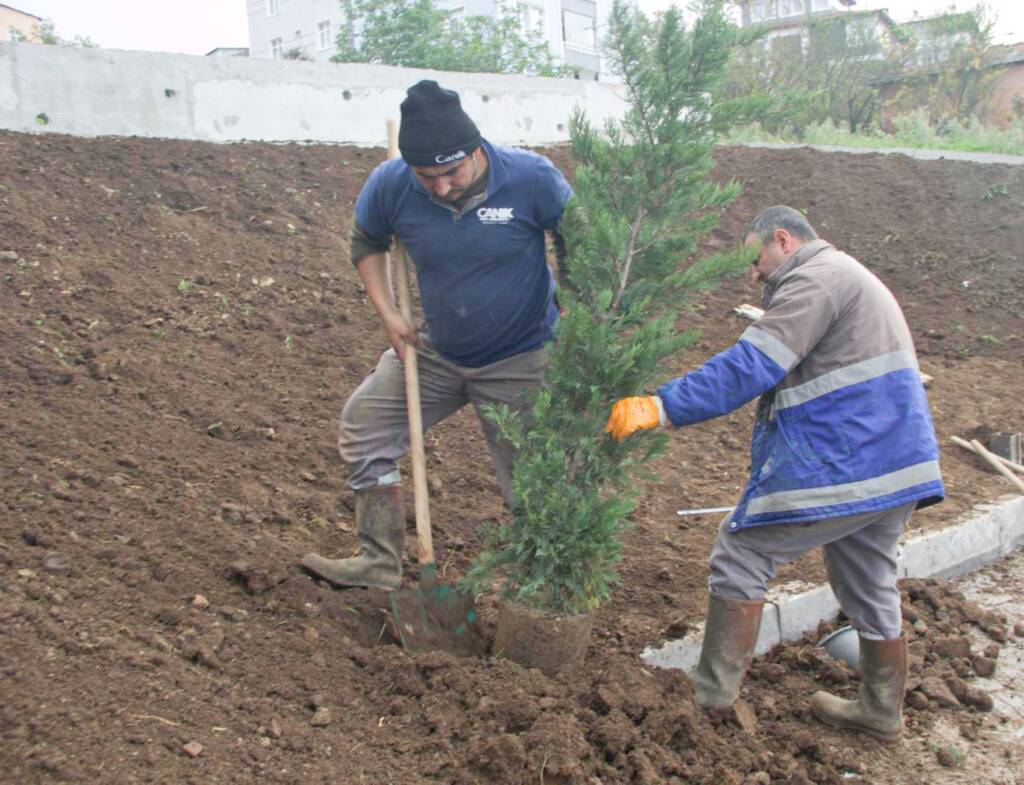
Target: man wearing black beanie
[(473, 218)]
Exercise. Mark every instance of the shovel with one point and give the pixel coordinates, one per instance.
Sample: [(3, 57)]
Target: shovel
[(433, 616)]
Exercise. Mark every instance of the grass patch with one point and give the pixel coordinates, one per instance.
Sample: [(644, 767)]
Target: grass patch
[(909, 130)]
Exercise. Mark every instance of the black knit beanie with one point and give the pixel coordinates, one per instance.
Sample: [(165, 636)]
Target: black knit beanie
[(434, 130)]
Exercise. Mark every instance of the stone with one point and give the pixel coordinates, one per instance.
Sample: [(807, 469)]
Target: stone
[(8, 256), (984, 666), (321, 717), (1018, 630), (957, 686), (917, 700), (232, 513), (948, 757), (56, 563), (745, 716), (978, 698), (676, 629), (193, 749), (936, 689), (997, 632), (275, 729), (200, 602), (950, 646)]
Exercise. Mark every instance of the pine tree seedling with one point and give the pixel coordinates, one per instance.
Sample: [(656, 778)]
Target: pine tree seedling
[(643, 201)]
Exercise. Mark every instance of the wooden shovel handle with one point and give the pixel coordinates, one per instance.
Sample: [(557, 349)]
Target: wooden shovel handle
[(994, 461), (412, 389), (1005, 461)]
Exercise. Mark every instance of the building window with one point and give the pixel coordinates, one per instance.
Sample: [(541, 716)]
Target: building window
[(756, 11), (787, 46), (791, 7), (276, 48), (531, 18), (456, 15), (821, 5), (323, 34), (579, 30), (273, 7)]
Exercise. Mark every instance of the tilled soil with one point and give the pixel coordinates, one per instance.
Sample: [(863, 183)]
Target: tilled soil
[(181, 328)]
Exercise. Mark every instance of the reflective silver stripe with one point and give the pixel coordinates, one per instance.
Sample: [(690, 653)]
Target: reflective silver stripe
[(804, 498), (844, 377), (776, 350)]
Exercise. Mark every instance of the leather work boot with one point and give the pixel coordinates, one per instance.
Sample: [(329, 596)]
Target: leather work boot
[(878, 711), (380, 530), (730, 634)]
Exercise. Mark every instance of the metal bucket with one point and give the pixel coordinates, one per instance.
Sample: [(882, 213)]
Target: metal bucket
[(843, 644)]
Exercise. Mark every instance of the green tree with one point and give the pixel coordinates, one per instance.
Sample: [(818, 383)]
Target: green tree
[(946, 74), (46, 33), (831, 73), (643, 201), (844, 67), (417, 34)]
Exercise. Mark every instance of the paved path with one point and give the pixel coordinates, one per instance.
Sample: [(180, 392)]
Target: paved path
[(913, 152)]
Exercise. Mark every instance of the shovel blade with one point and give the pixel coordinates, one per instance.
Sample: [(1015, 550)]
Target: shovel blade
[(435, 617)]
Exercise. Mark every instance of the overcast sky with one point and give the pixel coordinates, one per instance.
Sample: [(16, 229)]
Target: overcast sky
[(197, 26)]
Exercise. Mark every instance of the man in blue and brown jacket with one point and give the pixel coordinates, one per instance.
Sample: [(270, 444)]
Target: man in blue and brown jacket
[(843, 451)]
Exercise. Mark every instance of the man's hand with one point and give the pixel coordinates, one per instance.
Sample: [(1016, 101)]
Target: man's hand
[(630, 415), (400, 333)]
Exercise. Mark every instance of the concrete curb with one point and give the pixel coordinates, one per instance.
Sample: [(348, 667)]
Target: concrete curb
[(923, 154), (991, 531)]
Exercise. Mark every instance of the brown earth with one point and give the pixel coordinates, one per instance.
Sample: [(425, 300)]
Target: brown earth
[(181, 328)]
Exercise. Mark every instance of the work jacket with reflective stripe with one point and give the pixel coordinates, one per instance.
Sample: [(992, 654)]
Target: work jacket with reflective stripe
[(843, 425)]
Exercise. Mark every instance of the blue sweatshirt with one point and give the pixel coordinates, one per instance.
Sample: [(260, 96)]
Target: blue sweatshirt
[(485, 286)]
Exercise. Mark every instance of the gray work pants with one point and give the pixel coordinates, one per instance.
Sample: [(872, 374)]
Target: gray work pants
[(860, 558), (374, 428)]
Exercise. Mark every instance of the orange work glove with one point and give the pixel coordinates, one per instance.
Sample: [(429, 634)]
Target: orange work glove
[(629, 415)]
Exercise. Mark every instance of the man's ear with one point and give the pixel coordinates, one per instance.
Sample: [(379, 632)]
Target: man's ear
[(784, 240)]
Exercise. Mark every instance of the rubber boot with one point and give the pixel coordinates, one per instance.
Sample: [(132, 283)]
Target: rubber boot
[(879, 709), (730, 634), (380, 530)]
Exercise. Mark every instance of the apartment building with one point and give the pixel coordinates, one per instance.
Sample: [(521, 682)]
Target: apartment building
[(307, 29), (791, 28), (16, 25)]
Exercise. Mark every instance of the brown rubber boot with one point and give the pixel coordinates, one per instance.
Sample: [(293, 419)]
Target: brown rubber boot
[(879, 709), (730, 634), (380, 530)]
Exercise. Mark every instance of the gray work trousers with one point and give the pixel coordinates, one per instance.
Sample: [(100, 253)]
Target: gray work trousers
[(374, 428), (860, 559)]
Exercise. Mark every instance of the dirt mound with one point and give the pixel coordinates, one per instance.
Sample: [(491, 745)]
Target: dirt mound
[(181, 330)]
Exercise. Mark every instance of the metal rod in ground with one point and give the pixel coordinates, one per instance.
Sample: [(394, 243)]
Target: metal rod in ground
[(705, 510)]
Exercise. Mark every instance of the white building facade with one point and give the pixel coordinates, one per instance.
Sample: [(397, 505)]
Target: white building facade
[(755, 12), (307, 29)]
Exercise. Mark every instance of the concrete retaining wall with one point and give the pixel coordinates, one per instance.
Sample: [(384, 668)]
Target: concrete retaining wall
[(101, 92)]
